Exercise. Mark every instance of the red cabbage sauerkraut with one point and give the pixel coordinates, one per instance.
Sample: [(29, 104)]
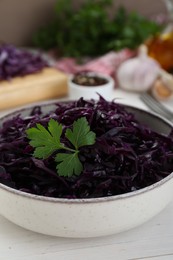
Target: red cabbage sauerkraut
[(126, 156), (16, 62)]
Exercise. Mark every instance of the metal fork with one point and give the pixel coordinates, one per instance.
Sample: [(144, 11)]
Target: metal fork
[(156, 106)]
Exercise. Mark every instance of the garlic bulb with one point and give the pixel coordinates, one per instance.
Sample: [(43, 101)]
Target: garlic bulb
[(139, 73)]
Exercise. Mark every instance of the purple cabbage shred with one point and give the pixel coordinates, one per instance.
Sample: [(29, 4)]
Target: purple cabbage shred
[(16, 62), (127, 155)]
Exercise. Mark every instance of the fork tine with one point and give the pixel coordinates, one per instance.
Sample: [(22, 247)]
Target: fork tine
[(152, 105), (156, 106), (159, 104)]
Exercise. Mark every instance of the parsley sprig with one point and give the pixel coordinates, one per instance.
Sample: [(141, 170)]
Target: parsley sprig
[(47, 141)]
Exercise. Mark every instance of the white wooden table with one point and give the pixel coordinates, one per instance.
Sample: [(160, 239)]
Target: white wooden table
[(152, 240)]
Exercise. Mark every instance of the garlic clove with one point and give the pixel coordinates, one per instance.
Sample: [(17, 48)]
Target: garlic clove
[(139, 73), (167, 78), (162, 89)]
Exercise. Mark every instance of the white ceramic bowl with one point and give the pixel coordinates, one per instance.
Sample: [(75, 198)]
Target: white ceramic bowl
[(88, 217), (77, 91)]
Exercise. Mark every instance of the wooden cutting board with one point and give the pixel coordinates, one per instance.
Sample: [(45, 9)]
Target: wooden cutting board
[(47, 84)]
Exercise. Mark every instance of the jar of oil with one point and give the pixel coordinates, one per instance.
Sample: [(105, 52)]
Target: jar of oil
[(160, 47)]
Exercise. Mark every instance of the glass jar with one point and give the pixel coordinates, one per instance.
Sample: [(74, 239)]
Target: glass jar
[(160, 47)]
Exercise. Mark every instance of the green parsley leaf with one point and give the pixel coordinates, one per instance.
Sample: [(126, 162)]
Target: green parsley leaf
[(68, 164), (80, 135), (45, 141), (48, 141)]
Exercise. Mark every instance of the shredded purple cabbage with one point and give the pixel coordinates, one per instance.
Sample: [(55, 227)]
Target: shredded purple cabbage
[(17, 62), (127, 155)]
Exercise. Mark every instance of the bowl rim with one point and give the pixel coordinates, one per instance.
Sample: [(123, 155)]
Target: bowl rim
[(127, 195)]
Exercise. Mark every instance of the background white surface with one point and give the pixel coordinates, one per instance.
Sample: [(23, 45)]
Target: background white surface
[(153, 240)]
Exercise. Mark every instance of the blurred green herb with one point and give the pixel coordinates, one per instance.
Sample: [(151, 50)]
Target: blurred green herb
[(90, 31)]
